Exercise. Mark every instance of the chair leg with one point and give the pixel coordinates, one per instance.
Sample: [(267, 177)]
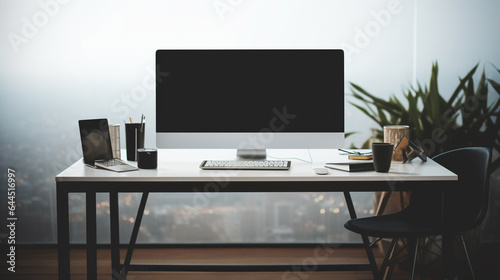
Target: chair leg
[(384, 268), (366, 243), (414, 255), (390, 270), (395, 257), (467, 256), (422, 258)]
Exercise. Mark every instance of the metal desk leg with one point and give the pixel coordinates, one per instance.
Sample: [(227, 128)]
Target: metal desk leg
[(91, 235), (63, 233), (382, 203), (447, 243), (115, 235), (366, 242), (135, 232)]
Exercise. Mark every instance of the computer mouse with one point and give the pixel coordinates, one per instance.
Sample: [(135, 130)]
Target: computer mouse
[(321, 171)]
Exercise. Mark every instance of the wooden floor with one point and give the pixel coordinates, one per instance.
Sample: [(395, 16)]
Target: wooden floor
[(41, 264)]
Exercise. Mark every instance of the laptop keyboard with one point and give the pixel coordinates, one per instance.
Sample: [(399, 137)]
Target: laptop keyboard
[(113, 162)]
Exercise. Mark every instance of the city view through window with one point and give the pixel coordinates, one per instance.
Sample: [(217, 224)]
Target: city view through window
[(227, 218)]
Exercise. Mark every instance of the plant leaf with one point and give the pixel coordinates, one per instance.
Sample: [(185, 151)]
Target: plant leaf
[(495, 85), (373, 117), (375, 99), (432, 98)]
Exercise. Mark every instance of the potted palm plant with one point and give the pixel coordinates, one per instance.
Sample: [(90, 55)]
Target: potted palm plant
[(470, 117)]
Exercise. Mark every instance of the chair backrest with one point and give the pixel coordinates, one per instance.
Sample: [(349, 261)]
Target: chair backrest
[(468, 203)]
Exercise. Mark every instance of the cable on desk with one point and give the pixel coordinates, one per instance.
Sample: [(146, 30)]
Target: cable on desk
[(290, 158)]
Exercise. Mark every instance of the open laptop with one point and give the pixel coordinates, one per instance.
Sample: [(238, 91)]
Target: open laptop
[(96, 146)]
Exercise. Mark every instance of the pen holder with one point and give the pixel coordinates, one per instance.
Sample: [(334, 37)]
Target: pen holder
[(134, 137)]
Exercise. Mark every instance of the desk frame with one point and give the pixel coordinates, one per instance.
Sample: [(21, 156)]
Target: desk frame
[(113, 188)]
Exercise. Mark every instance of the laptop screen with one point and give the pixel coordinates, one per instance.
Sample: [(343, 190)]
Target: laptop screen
[(95, 140)]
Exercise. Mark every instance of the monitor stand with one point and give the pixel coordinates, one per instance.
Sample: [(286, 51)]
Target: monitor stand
[(251, 154)]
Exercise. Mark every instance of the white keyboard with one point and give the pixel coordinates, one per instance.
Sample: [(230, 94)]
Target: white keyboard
[(246, 164)]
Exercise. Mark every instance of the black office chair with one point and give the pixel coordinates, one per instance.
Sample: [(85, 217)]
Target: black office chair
[(467, 205)]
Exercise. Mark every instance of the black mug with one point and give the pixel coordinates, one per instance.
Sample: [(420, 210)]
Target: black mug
[(134, 137), (382, 156)]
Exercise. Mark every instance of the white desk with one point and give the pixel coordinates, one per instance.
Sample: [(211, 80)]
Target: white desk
[(178, 171)]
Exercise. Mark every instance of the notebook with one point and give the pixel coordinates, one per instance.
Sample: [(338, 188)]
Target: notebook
[(352, 166), (96, 146)]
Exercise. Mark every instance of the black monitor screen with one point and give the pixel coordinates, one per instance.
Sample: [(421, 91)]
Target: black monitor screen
[(250, 91)]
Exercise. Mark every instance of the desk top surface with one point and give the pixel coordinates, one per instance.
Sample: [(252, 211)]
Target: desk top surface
[(183, 166)]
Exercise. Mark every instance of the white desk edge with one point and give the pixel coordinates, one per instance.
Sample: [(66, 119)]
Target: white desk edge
[(183, 166)]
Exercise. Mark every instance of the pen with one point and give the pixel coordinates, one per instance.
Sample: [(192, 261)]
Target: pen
[(349, 152), (354, 152), (142, 122)]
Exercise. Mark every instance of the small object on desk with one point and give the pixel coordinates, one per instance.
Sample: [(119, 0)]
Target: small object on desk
[(394, 133), (114, 136), (351, 166), (142, 123), (97, 148), (246, 164), (147, 158), (321, 171), (359, 152), (115, 164), (411, 150), (360, 157), (382, 156)]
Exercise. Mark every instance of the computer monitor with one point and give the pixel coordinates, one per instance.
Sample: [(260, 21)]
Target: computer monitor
[(250, 100)]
